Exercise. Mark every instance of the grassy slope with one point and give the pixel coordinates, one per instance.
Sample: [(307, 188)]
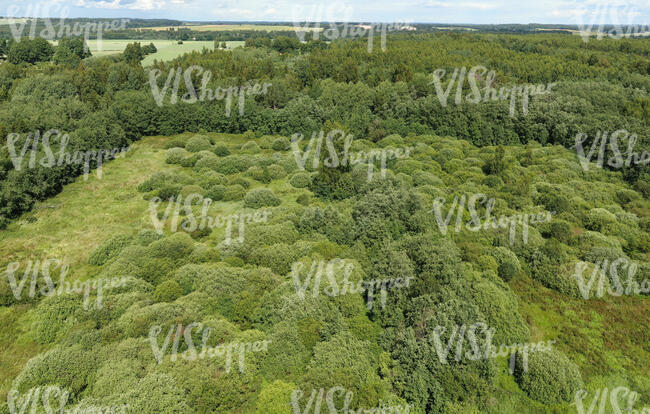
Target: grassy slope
[(606, 338)]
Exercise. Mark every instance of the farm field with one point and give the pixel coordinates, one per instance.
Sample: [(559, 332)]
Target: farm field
[(224, 27), (167, 49)]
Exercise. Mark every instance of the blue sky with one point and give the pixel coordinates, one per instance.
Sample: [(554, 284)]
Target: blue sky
[(441, 11)]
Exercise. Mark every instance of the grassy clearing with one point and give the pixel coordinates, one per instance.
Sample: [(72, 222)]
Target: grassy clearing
[(167, 49)]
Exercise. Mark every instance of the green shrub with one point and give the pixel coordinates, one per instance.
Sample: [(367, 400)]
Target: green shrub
[(169, 191), (146, 237), (281, 144), (189, 190), (216, 192), (303, 199), (425, 178), (70, 368), (167, 291), (598, 218), (160, 179), (110, 248), (175, 143), (507, 271), (276, 172), (221, 150), (551, 377), (197, 143), (175, 155), (261, 197), (273, 398), (233, 164), (177, 246), (239, 181), (207, 162), (300, 180), (55, 316), (234, 193)]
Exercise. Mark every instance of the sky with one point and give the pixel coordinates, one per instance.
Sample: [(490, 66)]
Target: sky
[(622, 12)]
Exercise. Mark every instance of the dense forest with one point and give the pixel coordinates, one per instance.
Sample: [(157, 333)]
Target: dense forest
[(185, 287)]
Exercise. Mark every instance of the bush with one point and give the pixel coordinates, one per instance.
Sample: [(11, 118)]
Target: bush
[(197, 143), (109, 249), (303, 199), (276, 172), (175, 155), (221, 150), (70, 368), (240, 181), (169, 191), (233, 164), (551, 377), (507, 271), (216, 192), (211, 178), (175, 143), (261, 197), (425, 178), (207, 162), (234, 193), (190, 161), (167, 291), (146, 237), (598, 218), (281, 144), (300, 180)]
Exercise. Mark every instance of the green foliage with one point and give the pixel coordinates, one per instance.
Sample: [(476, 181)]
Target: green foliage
[(273, 398), (234, 193), (280, 144), (221, 150), (109, 249), (197, 143), (167, 291), (175, 155), (300, 180), (550, 378), (261, 197)]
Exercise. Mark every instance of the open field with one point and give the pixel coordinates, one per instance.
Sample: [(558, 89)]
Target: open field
[(167, 49), (223, 27), (17, 20)]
